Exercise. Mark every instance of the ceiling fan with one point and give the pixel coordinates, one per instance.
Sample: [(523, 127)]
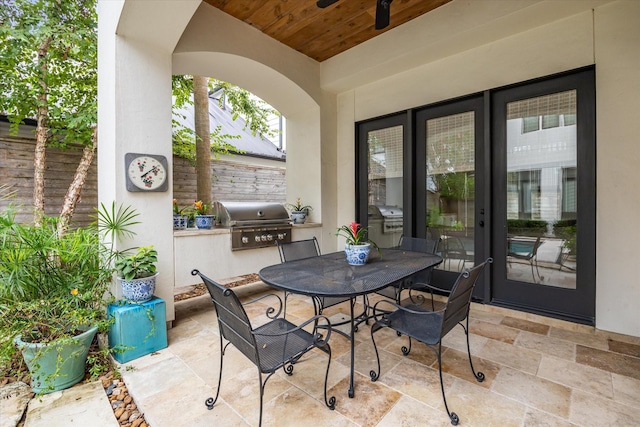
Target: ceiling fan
[(383, 10)]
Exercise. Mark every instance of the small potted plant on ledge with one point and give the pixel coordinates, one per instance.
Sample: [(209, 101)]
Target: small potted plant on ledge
[(137, 274), (180, 216), (203, 219), (358, 245), (298, 211)]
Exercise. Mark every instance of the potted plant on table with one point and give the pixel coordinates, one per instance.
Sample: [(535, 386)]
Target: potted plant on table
[(358, 246), (298, 211), (204, 220), (54, 290)]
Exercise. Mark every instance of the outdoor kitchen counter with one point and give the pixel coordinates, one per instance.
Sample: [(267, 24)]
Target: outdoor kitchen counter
[(210, 252)]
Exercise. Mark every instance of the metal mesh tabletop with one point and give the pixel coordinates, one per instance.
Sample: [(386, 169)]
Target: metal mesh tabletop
[(330, 275)]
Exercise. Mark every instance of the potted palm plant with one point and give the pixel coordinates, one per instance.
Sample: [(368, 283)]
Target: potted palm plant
[(54, 290), (358, 246), (298, 211), (137, 274)]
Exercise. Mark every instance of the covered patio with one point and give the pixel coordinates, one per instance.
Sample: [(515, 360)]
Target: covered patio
[(539, 372)]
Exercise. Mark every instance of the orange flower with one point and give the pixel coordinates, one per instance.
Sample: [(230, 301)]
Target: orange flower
[(201, 208), (74, 291)]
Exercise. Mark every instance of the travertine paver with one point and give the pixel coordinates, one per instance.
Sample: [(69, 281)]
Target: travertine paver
[(14, 398), (83, 405)]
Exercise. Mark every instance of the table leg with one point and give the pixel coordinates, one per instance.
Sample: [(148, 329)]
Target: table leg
[(351, 390)]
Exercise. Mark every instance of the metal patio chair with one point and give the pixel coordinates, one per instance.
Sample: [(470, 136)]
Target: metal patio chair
[(414, 244), (421, 321), (526, 250), (274, 345), (301, 249)]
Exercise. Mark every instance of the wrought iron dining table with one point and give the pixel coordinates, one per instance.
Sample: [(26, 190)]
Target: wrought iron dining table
[(331, 276)]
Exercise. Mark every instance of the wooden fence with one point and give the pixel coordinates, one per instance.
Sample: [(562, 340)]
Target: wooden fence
[(232, 181)]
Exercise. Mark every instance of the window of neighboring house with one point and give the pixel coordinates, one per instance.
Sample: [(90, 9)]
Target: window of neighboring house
[(569, 119), (550, 121), (530, 124)]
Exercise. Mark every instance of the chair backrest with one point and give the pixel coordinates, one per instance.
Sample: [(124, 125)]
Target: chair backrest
[(298, 249), (417, 244), (457, 306), (233, 321), (523, 249)]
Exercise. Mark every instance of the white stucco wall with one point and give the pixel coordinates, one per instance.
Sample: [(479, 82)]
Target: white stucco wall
[(217, 45), (617, 53), (608, 36), (134, 115)]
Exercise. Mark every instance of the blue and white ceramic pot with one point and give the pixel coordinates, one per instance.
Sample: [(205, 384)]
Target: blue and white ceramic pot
[(357, 254), (139, 290), (298, 217), (180, 221), (205, 221)]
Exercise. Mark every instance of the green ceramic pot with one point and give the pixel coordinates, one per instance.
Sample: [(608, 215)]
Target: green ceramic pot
[(56, 366)]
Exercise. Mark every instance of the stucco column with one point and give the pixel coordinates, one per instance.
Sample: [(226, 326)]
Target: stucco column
[(134, 116)]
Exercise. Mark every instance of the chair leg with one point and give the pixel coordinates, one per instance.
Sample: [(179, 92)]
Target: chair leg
[(452, 415), (375, 374), (331, 402), (212, 400), (479, 376)]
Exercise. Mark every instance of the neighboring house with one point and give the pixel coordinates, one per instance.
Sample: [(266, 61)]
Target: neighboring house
[(248, 145), (255, 172)]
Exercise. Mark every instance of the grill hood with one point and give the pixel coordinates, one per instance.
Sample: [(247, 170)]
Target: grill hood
[(247, 214)]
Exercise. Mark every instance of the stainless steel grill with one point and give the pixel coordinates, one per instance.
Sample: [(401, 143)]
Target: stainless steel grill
[(254, 224), (389, 216)]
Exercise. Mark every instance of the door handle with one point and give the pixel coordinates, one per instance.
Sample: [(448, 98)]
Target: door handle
[(481, 223)]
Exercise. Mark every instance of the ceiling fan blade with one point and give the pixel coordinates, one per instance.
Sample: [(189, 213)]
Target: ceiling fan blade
[(325, 3), (383, 13)]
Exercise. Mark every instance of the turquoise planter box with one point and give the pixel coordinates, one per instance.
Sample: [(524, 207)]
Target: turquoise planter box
[(138, 329)]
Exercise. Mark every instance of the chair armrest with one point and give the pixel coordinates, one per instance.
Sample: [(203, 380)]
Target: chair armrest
[(270, 310), (422, 287), (319, 341), (381, 316), (430, 287)]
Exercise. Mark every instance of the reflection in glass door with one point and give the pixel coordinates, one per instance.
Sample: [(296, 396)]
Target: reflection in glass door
[(541, 197), (385, 214), (450, 192)]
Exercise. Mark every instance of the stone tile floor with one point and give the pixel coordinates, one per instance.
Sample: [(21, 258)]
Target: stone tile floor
[(539, 372)]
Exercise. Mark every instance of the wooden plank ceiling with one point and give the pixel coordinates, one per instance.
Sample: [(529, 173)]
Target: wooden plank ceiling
[(321, 33)]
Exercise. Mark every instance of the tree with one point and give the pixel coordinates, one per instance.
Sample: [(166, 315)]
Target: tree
[(48, 67), (203, 141)]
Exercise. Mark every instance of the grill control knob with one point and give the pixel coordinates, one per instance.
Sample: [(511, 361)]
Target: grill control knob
[(258, 239), (280, 236), (269, 237), (245, 239), (263, 238)]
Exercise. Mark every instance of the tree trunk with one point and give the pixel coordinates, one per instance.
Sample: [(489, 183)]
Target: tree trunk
[(42, 135), (203, 139), (75, 188)]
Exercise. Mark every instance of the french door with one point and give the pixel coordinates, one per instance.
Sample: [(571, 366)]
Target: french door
[(543, 198), (452, 172), (508, 173)]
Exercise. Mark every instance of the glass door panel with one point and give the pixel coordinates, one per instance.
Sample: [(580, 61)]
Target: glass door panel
[(541, 192), (385, 185), (450, 188)]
